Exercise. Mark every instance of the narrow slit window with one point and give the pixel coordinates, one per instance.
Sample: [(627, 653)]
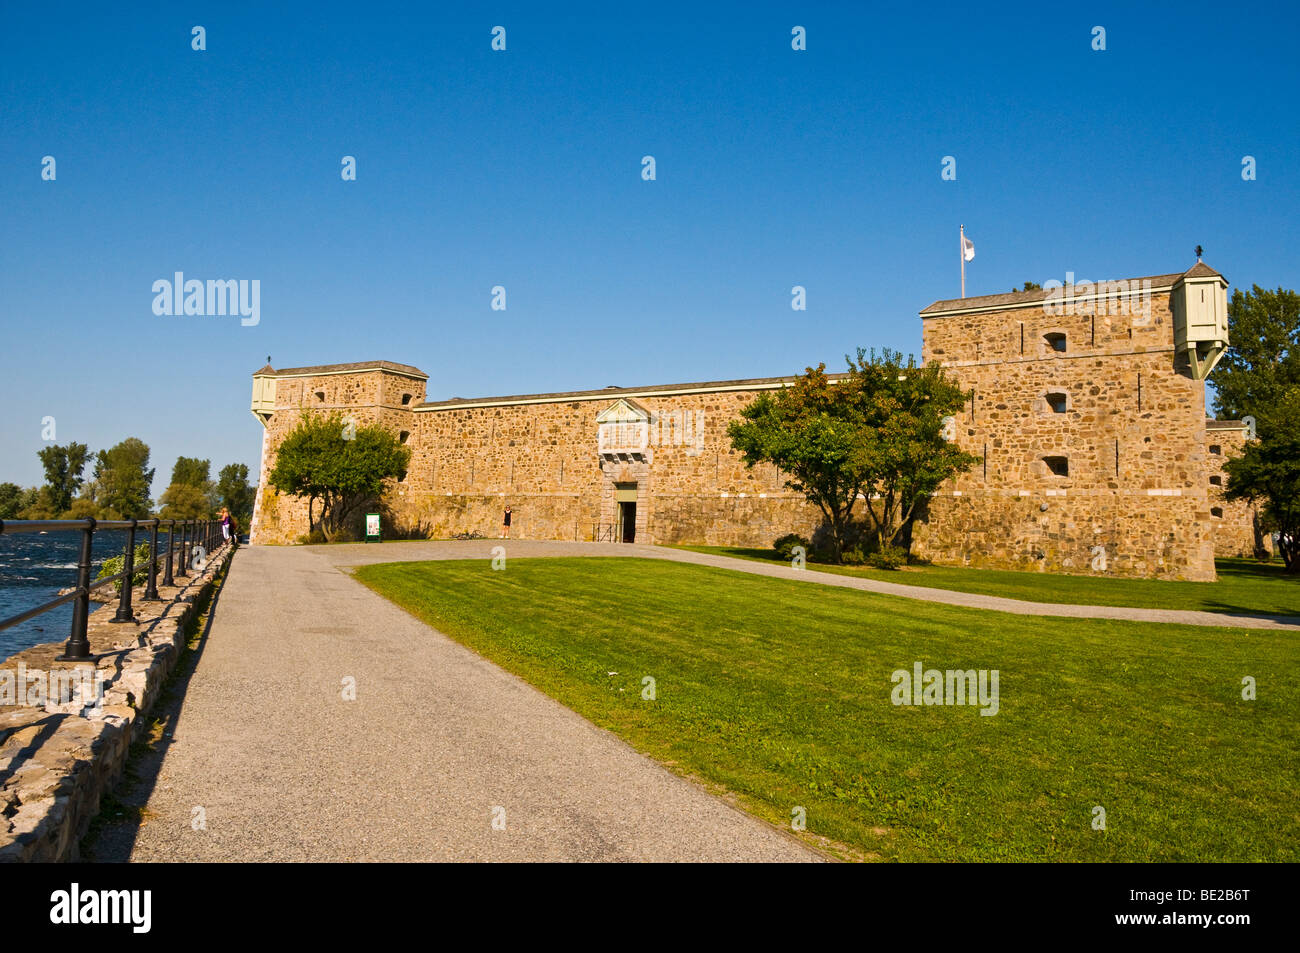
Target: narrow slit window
[(1059, 466)]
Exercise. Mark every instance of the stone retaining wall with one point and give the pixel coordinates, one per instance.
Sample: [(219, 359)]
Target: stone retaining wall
[(57, 760)]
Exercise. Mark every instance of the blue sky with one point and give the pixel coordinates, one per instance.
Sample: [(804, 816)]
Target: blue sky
[(521, 168)]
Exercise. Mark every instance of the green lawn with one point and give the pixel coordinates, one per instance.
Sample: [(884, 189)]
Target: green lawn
[(1243, 586), (780, 691)]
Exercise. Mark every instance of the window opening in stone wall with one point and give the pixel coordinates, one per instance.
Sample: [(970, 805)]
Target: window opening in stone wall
[(1139, 392), (1216, 449), (320, 396), (1216, 481), (403, 436), (1216, 512), (1022, 339), (1058, 401), (1117, 457), (1056, 341), (1060, 466), (406, 399)]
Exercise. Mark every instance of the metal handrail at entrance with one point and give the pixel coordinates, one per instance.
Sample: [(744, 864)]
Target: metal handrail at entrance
[(194, 535)]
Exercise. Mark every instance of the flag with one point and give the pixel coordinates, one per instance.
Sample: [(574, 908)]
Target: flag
[(967, 249)]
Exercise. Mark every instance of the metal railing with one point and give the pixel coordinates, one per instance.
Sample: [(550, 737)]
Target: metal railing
[(193, 535)]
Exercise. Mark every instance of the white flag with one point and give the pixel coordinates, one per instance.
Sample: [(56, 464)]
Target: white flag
[(967, 249)]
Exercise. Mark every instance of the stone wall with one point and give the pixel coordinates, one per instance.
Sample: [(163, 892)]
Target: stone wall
[(1234, 522), (60, 755), (380, 396), (1097, 385), (1113, 405), (541, 459)]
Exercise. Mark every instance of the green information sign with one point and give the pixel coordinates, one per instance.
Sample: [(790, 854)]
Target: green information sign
[(372, 528)]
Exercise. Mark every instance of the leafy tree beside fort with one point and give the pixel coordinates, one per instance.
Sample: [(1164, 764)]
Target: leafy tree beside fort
[(341, 467), (1268, 474), (1262, 364), (875, 436), (1259, 376)]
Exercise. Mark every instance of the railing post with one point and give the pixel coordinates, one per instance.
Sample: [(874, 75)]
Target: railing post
[(124, 613), (78, 647), (171, 544), (181, 571), (151, 584)]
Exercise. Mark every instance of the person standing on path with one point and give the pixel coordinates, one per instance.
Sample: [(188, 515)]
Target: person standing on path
[(226, 524), (505, 525)]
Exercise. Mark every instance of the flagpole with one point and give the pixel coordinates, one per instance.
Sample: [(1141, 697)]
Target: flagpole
[(961, 253)]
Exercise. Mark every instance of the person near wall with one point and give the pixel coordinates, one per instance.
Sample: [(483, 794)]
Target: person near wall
[(505, 525)]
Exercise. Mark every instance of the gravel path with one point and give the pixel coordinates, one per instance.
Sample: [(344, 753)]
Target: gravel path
[(437, 743)]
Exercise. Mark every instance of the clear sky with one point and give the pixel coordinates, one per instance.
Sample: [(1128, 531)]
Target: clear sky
[(522, 168)]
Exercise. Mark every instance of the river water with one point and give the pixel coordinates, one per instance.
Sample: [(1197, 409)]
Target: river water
[(34, 567)]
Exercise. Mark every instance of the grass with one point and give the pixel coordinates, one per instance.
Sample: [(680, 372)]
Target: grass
[(1244, 585), (779, 692)]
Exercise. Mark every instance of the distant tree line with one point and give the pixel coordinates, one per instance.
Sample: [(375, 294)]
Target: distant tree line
[(118, 487)]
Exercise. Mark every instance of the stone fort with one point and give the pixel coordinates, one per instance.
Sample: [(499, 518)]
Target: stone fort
[(1086, 407)]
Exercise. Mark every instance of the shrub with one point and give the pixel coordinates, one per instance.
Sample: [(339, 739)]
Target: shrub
[(888, 557), (114, 565), (853, 557), (785, 545), (314, 538)]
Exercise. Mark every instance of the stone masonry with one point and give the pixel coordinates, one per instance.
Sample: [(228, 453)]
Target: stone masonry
[(1098, 391)]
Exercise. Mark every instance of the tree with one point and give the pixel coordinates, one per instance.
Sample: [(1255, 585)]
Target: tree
[(63, 467), (235, 493), (1263, 361), (876, 435), (317, 462), (191, 471), (1259, 376), (1029, 286), (35, 504), (184, 501), (190, 495), (122, 480), (11, 500), (1268, 474)]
